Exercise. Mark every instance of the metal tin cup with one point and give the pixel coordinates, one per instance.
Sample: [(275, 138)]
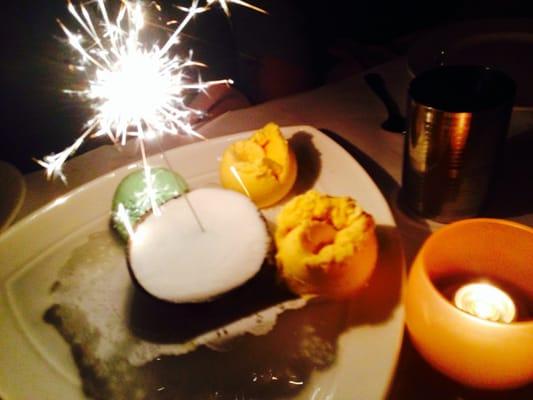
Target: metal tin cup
[(458, 117)]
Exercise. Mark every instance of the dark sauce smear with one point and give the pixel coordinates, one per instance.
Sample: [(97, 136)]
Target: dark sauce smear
[(275, 365), (162, 322)]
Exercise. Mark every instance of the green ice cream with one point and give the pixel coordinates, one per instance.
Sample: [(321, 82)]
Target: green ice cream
[(132, 193)]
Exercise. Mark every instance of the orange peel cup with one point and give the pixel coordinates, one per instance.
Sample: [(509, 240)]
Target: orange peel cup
[(468, 349)]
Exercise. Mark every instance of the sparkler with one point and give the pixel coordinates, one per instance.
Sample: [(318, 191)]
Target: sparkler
[(135, 89)]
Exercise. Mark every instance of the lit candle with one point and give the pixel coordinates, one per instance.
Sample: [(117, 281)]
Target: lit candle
[(485, 301)]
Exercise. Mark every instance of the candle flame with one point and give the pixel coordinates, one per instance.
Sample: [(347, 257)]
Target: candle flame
[(485, 301)]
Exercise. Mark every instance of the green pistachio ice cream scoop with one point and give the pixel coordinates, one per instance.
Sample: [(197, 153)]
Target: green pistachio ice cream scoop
[(132, 193)]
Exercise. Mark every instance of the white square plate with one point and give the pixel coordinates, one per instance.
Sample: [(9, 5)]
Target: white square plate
[(36, 363)]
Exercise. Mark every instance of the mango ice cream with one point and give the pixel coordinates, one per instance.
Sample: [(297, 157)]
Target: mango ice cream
[(262, 167), (326, 245)]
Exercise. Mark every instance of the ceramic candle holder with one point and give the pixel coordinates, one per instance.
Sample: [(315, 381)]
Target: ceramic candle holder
[(467, 348)]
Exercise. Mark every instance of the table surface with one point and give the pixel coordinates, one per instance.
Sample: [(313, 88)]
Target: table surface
[(351, 114)]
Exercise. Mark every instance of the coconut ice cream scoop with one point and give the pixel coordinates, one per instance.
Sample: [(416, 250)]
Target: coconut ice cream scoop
[(175, 260)]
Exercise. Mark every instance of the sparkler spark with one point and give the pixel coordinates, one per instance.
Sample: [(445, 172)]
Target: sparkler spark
[(224, 4), (135, 89), (123, 216)]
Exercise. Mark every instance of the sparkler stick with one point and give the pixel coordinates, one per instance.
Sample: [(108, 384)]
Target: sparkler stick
[(148, 180), (237, 176), (184, 194)]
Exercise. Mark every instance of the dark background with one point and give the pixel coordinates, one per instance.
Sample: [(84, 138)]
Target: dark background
[(300, 45)]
